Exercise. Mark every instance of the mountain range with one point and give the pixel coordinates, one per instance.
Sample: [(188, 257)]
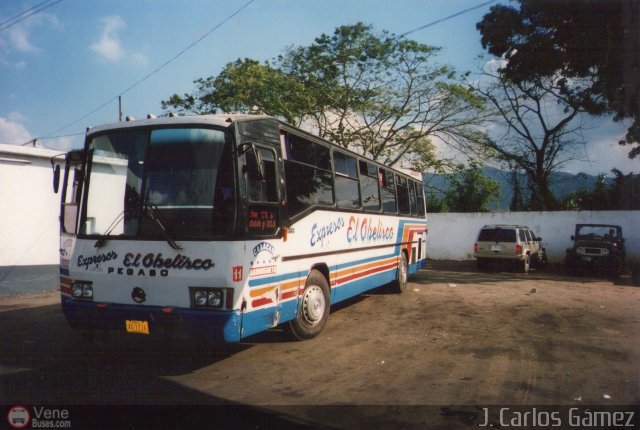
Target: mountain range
[(562, 184)]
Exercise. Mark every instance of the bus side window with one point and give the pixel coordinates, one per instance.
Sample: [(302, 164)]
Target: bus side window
[(346, 181), (388, 192), (369, 186), (404, 206), (413, 186), (260, 175)]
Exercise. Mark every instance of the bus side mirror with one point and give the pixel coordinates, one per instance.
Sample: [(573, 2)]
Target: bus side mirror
[(56, 178)]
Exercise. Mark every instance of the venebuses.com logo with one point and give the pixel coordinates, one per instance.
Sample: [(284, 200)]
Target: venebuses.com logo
[(20, 417)]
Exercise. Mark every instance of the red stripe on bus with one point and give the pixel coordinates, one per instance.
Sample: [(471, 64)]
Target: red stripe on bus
[(288, 295), (261, 302), (367, 272)]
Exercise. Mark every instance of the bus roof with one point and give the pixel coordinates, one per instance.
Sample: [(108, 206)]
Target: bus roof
[(225, 121), (217, 120)]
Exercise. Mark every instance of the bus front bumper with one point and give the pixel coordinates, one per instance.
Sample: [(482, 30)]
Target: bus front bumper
[(214, 326)]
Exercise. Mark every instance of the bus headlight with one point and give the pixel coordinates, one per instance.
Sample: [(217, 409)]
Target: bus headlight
[(214, 298), (82, 290), (207, 297), (200, 298)]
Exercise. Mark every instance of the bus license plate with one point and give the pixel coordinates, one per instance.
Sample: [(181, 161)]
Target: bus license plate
[(140, 327)]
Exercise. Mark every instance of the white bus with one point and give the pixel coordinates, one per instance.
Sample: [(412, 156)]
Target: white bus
[(225, 226)]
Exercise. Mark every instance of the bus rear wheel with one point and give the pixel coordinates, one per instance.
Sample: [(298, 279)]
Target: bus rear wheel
[(313, 310), (402, 279)]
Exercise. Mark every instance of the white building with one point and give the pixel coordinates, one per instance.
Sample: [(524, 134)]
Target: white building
[(29, 229)]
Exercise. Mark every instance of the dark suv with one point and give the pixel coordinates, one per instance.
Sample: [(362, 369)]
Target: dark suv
[(598, 247)]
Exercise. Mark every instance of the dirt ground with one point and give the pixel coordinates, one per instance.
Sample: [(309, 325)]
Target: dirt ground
[(456, 337)]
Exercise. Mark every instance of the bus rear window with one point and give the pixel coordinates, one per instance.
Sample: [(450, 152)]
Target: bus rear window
[(497, 235)]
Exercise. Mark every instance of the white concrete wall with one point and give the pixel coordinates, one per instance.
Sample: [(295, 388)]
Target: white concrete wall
[(29, 232), (452, 235)]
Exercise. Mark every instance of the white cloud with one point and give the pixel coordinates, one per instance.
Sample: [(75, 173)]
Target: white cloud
[(17, 117), (64, 143), (12, 132), (18, 39), (602, 150), (139, 59), (109, 46)]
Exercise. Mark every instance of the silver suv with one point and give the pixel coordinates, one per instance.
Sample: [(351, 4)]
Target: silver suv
[(515, 244)]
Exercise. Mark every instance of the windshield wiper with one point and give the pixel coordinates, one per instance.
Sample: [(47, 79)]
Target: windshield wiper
[(152, 212), (100, 242)]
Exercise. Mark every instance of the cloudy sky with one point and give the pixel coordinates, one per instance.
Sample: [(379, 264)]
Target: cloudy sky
[(62, 69)]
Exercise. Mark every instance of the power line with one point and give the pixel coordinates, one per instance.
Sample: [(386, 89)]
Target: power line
[(23, 12), (63, 135), (31, 141), (26, 14), (446, 18), (162, 66)]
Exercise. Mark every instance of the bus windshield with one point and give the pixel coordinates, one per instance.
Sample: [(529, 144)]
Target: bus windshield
[(153, 183)]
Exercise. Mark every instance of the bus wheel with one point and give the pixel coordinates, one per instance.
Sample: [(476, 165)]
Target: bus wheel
[(314, 308), (400, 284)]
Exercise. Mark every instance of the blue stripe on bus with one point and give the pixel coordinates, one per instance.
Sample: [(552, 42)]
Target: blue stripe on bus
[(358, 286), (273, 279), (259, 320)]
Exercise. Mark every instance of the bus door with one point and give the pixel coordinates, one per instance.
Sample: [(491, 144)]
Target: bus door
[(259, 167), (70, 202), (71, 194)]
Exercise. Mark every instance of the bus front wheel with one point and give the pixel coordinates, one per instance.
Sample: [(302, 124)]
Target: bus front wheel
[(313, 309)]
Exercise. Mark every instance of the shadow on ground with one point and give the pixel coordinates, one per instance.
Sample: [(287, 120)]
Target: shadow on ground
[(466, 272), (44, 362)]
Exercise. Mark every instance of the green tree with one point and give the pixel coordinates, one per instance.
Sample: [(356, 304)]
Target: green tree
[(471, 191), (372, 92), (593, 44), (625, 191), (245, 86), (597, 198), (435, 203), (622, 193)]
